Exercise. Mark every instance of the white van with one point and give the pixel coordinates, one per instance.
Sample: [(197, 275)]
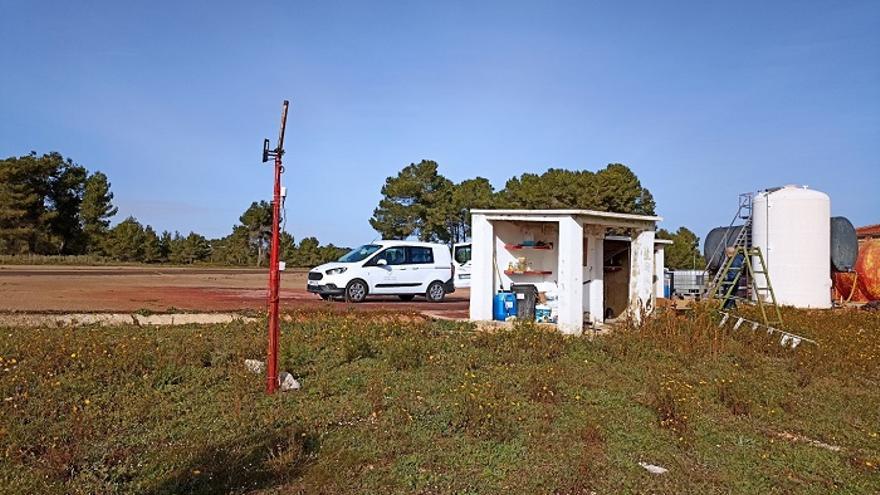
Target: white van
[(461, 255), (401, 268)]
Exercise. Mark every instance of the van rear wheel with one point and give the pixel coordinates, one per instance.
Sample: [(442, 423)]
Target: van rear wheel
[(436, 292)]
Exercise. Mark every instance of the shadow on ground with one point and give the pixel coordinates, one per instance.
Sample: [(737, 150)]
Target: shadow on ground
[(259, 461)]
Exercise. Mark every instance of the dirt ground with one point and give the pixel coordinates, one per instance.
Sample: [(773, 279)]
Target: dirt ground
[(161, 289)]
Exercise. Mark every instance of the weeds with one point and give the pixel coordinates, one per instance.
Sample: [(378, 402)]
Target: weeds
[(735, 398), (357, 346), (403, 354), (541, 385), (394, 403), (668, 407), (484, 411)]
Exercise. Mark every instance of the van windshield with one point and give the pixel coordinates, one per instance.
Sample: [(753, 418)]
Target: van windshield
[(359, 254)]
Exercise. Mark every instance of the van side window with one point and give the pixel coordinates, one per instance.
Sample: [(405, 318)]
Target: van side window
[(392, 255), (419, 255), (462, 254)]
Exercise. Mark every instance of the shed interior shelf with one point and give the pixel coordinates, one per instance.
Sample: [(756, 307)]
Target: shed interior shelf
[(528, 272), (515, 247)]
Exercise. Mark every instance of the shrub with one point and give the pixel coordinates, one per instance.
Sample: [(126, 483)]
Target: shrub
[(542, 385), (734, 397), (666, 405), (357, 346), (404, 353), (483, 410)]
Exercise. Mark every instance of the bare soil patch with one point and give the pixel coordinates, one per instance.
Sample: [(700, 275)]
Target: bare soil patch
[(170, 289)]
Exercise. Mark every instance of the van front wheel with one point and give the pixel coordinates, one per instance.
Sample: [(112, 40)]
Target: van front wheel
[(356, 291), (436, 292)]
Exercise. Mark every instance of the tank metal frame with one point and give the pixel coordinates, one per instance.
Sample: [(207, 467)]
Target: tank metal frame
[(772, 319), (752, 256)]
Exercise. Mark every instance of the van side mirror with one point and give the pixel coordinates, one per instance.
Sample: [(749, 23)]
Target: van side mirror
[(381, 262)]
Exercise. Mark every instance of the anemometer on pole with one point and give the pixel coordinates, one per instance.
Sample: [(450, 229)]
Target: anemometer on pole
[(274, 263)]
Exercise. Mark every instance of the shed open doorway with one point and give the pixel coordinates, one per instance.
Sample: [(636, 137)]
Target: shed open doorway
[(616, 271)]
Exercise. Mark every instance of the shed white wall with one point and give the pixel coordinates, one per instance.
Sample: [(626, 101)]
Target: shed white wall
[(483, 283), (641, 277), (570, 278), (594, 274)]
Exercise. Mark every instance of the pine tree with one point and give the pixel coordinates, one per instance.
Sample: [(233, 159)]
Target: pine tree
[(684, 253), (16, 198), (126, 241), (26, 209), (97, 209), (66, 188), (165, 246), (468, 194), (414, 203), (152, 248), (257, 219), (196, 248), (177, 249)]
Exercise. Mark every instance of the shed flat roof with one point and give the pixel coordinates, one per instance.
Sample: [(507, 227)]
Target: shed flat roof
[(587, 213)]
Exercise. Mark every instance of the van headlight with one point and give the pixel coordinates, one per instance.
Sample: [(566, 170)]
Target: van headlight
[(336, 271)]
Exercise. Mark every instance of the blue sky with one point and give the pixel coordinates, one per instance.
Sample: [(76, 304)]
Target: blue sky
[(703, 100)]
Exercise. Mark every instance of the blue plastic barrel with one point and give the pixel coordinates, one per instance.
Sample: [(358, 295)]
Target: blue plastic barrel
[(503, 306)]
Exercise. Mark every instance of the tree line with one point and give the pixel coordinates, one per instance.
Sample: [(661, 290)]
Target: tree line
[(420, 202), (684, 252), (50, 205)]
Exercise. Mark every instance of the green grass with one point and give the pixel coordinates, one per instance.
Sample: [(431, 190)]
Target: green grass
[(397, 404)]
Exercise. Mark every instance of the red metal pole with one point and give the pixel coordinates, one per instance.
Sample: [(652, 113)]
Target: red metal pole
[(274, 271), (274, 282)]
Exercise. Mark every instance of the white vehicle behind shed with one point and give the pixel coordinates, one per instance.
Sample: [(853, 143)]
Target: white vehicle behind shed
[(401, 268)]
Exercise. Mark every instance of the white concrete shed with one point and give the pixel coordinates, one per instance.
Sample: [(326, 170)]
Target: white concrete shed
[(598, 265)]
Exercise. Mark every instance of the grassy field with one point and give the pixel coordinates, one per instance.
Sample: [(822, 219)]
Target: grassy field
[(398, 404)]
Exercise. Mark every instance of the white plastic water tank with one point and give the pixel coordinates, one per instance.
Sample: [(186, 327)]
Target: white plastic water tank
[(791, 225)]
